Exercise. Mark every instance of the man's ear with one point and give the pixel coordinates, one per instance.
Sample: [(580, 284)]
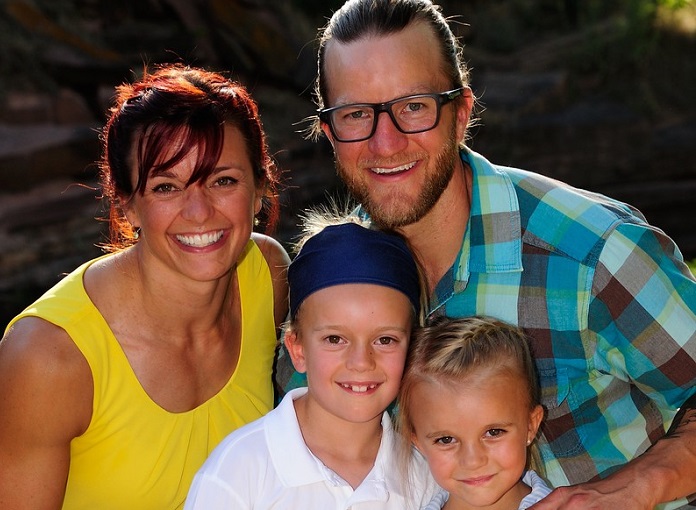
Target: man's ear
[(295, 350), (327, 132), (465, 105)]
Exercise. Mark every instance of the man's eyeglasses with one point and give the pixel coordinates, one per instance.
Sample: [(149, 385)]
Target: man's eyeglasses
[(410, 114)]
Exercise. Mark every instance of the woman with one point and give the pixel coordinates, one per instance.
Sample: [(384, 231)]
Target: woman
[(120, 380)]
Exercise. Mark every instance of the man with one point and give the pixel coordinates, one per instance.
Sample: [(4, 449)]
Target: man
[(606, 297)]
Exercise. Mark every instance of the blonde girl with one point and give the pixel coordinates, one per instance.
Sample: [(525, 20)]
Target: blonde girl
[(469, 402)]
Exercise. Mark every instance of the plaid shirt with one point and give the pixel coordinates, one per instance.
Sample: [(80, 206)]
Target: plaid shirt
[(606, 300)]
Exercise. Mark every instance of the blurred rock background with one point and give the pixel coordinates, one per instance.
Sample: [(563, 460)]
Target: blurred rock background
[(598, 94)]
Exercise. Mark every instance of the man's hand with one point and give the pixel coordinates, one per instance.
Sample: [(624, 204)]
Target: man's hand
[(663, 473), (601, 495)]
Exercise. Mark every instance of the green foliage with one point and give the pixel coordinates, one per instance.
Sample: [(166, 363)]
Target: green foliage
[(675, 4), (692, 265)]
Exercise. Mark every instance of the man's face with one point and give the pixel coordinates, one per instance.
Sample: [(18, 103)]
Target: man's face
[(397, 177)]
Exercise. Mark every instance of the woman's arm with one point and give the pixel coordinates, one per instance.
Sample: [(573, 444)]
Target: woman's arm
[(46, 394)]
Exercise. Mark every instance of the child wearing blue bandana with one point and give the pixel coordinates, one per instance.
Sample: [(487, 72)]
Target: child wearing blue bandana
[(354, 299)]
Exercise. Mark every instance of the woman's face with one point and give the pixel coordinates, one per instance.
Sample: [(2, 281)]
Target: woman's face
[(198, 231)]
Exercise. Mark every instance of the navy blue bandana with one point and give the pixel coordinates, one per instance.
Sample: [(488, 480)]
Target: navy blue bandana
[(350, 253)]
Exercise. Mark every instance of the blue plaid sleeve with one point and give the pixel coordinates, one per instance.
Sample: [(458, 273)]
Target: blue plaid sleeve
[(644, 313)]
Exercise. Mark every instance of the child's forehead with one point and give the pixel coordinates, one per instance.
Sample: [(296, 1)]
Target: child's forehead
[(346, 304), (481, 376), (467, 409)]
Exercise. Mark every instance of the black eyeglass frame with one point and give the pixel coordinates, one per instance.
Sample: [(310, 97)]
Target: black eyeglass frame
[(441, 98)]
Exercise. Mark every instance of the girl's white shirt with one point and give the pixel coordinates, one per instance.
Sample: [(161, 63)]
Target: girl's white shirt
[(539, 491)]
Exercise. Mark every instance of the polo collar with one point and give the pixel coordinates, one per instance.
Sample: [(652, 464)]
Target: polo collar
[(296, 465)]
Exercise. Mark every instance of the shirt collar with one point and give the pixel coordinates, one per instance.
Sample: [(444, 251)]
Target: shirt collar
[(293, 461), (296, 465), (493, 239)]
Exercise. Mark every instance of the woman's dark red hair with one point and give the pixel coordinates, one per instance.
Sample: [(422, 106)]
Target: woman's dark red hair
[(188, 106)]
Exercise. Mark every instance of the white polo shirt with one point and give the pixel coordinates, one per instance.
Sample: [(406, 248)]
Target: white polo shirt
[(266, 464)]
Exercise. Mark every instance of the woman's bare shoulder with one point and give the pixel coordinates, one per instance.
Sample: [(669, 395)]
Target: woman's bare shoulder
[(276, 256), (40, 364), (278, 260)]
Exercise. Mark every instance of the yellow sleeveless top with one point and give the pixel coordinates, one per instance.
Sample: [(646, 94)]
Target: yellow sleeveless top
[(134, 454)]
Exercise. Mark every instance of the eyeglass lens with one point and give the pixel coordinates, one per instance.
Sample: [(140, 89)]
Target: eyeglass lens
[(411, 115)]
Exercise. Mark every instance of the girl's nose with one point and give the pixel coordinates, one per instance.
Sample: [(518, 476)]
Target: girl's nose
[(472, 455)]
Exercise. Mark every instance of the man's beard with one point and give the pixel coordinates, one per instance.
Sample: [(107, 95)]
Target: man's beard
[(395, 212)]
